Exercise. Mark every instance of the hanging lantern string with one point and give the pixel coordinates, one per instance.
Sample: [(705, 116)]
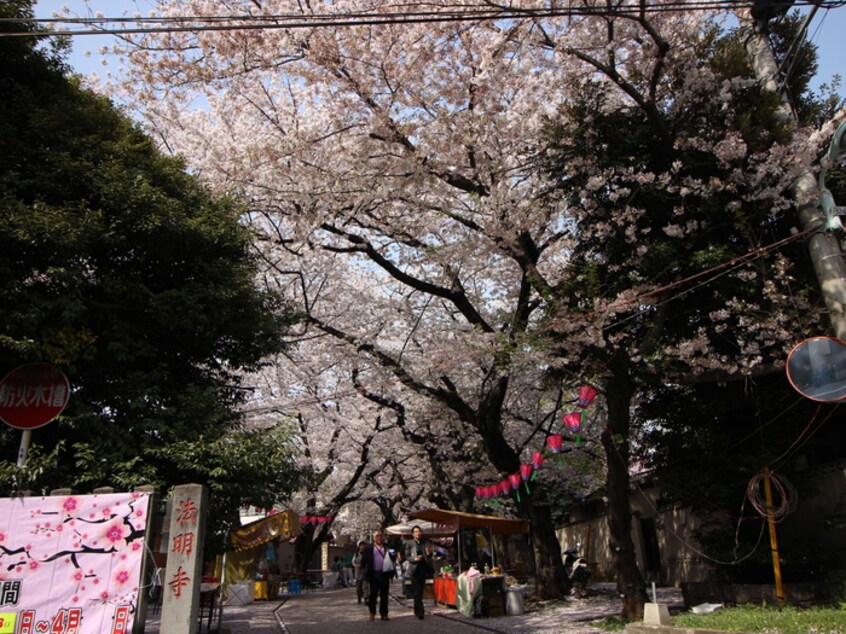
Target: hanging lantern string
[(573, 421)]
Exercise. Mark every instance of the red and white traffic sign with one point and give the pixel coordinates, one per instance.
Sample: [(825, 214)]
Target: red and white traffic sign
[(32, 395)]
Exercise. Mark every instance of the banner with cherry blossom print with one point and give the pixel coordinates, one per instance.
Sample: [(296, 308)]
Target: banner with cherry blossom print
[(71, 564)]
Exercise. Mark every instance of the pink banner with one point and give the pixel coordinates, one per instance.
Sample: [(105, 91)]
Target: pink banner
[(71, 564)]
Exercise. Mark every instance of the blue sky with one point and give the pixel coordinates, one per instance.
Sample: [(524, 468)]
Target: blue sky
[(827, 32)]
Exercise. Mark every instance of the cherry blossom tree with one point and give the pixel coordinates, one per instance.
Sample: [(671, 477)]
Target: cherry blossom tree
[(399, 179)]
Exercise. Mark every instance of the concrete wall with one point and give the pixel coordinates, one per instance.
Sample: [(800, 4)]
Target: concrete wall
[(677, 549)]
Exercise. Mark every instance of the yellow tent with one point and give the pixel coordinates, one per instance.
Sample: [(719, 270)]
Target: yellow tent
[(246, 543)]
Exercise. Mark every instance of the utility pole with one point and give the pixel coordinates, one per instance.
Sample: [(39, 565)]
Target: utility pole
[(768, 496), (824, 246)]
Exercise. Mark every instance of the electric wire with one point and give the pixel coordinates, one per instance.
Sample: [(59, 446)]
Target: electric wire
[(788, 499), (344, 19), (732, 264), (806, 434)]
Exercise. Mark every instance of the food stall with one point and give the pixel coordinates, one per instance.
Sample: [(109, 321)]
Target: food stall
[(461, 586), (250, 546)]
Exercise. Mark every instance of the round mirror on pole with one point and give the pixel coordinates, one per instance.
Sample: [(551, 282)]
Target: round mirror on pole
[(816, 368)]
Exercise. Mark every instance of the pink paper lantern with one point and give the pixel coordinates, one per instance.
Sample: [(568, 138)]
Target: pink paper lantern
[(505, 487), (554, 442), (526, 471), (537, 460), (573, 420), (586, 396)]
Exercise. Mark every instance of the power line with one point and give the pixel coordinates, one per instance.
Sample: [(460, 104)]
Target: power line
[(177, 24)]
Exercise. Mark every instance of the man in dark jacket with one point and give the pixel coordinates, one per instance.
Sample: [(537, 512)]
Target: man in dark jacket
[(419, 557), (379, 565)]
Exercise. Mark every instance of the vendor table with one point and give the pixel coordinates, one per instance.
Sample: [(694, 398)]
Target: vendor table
[(208, 594), (445, 590), (491, 587)]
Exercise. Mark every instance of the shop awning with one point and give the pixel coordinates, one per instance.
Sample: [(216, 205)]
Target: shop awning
[(497, 525), (283, 525), (430, 529)]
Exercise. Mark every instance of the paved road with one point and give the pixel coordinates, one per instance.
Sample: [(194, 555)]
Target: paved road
[(336, 611)]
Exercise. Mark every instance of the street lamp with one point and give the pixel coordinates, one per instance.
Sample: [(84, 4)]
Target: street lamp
[(836, 153)]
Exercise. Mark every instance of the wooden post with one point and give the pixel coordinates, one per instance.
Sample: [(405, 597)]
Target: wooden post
[(768, 495), (144, 591)]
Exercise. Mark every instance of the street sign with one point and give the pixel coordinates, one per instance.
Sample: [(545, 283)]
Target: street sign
[(32, 395)]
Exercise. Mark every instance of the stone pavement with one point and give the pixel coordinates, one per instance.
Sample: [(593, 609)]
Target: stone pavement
[(325, 611)]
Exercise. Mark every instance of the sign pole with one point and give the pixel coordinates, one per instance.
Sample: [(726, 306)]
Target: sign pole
[(25, 440)]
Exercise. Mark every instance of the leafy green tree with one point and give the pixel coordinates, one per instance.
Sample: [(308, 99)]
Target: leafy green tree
[(705, 444), (121, 269), (683, 215)]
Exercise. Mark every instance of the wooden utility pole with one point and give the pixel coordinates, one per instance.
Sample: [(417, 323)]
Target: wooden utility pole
[(824, 247), (768, 496)]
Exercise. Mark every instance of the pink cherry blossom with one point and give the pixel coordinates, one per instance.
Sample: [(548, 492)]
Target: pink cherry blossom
[(115, 533)]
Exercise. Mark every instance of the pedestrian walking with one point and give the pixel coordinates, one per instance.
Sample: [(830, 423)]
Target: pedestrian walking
[(379, 564), (419, 557), (362, 589)]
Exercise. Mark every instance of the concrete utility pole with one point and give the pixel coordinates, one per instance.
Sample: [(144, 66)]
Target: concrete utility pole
[(824, 246)]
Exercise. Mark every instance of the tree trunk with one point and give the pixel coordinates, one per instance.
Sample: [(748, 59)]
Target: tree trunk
[(551, 581), (304, 548), (615, 440)]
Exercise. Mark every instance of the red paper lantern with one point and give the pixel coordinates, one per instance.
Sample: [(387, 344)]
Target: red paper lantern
[(495, 490), (321, 520), (573, 421), (537, 460), (480, 493), (515, 481), (554, 442), (303, 519), (313, 520), (586, 396), (329, 519), (526, 471), (505, 487)]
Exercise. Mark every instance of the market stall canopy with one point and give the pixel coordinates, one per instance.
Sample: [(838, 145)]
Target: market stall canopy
[(498, 525), (283, 525), (430, 529)]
